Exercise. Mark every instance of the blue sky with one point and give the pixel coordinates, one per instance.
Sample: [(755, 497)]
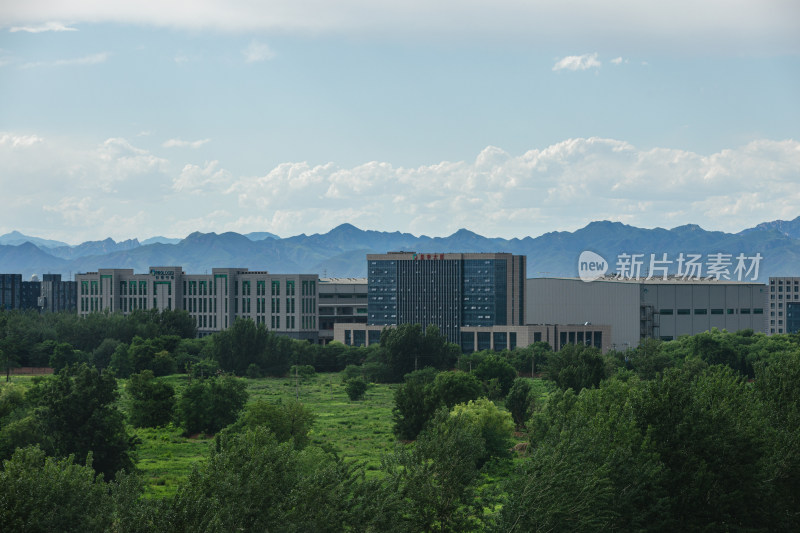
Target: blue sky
[(133, 119)]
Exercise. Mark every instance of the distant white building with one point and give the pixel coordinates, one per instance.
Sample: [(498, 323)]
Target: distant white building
[(284, 303), (655, 308)]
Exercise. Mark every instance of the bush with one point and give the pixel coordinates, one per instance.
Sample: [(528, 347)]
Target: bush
[(254, 371), (350, 372), (290, 421), (163, 364), (205, 368), (209, 405), (42, 493), (304, 371), (576, 367), (451, 388), (494, 425), (152, 401), (494, 367), (355, 388)]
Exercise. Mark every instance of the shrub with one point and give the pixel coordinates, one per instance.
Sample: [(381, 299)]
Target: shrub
[(254, 371), (211, 404), (152, 401), (355, 388), (494, 425), (494, 367)]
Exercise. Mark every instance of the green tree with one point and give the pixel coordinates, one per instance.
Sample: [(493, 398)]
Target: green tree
[(576, 367), (355, 388), (40, 493), (451, 388), (208, 405), (254, 483), (152, 400), (437, 479), (78, 415), (520, 401), (414, 404), (777, 386), (496, 374), (289, 422), (407, 348), (493, 425)]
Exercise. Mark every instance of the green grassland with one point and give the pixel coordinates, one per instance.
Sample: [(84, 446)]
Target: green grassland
[(357, 430)]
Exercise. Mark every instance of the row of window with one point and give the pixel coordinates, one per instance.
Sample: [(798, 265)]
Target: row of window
[(704, 311)]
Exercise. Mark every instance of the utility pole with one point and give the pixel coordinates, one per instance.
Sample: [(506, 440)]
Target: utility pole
[(296, 384)]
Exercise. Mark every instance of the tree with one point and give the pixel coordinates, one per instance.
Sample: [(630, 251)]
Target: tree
[(355, 388), (289, 422), (493, 425), (64, 354), (437, 479), (245, 343), (496, 374), (414, 404), (451, 388), (40, 493), (407, 348), (78, 415), (519, 401), (254, 483), (152, 400), (208, 405), (576, 367), (715, 476)]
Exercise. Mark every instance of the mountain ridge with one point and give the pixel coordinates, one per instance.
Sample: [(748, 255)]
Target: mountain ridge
[(341, 251)]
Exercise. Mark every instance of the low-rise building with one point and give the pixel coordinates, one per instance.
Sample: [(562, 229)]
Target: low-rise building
[(284, 303), (341, 301)]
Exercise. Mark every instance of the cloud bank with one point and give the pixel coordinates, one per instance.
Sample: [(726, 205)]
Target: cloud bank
[(769, 24), (126, 191)]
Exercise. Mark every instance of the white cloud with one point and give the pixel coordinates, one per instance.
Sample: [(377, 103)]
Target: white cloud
[(178, 143), (195, 178), (256, 52), (93, 59), (618, 61), (75, 210), (47, 26), (558, 187), (771, 25), (19, 141), (582, 62)]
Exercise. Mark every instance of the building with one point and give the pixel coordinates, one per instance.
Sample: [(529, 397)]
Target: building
[(784, 305), (10, 291), (29, 293), (454, 291), (655, 308), (57, 295), (284, 303), (341, 301)]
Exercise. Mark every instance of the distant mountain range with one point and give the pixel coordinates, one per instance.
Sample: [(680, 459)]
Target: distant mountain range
[(341, 252)]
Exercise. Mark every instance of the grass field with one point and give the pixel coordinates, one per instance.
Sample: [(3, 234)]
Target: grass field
[(359, 431)]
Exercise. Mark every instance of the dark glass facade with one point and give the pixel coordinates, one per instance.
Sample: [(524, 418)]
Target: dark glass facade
[(792, 317), (10, 291), (447, 290)]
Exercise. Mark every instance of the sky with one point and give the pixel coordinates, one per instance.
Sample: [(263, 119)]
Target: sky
[(510, 118)]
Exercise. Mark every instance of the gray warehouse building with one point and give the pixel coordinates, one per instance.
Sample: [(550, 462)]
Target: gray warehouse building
[(654, 308)]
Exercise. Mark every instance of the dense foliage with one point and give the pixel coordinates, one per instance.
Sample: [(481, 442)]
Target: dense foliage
[(701, 433)]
